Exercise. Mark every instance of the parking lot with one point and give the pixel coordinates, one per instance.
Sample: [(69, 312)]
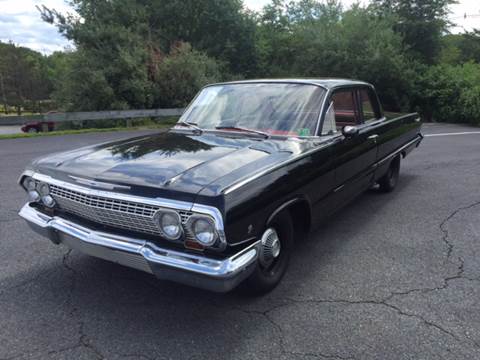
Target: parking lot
[(391, 276)]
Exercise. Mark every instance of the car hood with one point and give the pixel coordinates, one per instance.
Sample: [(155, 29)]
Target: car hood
[(175, 160)]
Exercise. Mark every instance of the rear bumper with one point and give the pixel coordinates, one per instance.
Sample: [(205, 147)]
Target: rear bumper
[(194, 270)]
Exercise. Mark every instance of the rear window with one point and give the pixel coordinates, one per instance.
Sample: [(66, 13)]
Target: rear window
[(344, 107), (367, 103)]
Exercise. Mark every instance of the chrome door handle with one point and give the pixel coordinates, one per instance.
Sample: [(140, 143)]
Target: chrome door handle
[(373, 137)]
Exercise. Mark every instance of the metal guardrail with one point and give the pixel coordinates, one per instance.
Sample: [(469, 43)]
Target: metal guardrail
[(90, 115)]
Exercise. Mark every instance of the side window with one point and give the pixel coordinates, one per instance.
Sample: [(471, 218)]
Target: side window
[(329, 127), (345, 109), (369, 111)]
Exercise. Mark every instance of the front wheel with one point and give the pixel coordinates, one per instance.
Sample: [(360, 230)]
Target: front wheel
[(274, 256), (389, 181)]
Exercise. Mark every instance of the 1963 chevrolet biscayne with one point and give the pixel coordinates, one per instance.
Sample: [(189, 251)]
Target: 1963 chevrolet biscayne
[(220, 198)]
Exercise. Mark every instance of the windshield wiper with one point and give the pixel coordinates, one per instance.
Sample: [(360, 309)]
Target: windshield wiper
[(264, 134), (190, 125)]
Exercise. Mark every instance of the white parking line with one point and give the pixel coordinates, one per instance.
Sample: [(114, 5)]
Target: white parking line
[(455, 133)]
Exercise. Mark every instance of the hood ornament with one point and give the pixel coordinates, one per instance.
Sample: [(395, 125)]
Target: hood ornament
[(98, 184)]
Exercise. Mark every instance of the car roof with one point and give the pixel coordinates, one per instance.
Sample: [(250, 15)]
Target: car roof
[(327, 83)]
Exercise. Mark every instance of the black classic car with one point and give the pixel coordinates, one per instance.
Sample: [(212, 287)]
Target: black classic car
[(220, 198)]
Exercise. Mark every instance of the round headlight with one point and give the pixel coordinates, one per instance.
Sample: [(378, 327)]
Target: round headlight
[(204, 231), (171, 225), (29, 184), (43, 189), (48, 201)]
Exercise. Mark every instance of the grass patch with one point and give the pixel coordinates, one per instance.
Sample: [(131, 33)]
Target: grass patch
[(82, 131)]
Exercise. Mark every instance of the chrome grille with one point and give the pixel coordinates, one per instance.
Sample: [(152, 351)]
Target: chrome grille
[(112, 212)]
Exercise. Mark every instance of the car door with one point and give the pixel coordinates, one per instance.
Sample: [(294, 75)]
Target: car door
[(354, 157), (373, 121)]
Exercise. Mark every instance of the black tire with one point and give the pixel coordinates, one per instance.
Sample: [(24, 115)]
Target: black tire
[(389, 181), (264, 279), (32, 130)]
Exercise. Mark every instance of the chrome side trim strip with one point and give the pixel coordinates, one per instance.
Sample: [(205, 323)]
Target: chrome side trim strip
[(245, 181), (417, 139)]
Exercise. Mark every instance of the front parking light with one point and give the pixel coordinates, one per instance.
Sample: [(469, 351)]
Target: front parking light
[(33, 196), (48, 201)]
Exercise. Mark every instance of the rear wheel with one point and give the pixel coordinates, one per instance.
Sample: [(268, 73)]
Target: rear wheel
[(389, 181), (277, 243), (32, 130)]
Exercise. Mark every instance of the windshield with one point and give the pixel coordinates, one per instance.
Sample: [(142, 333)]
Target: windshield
[(273, 108)]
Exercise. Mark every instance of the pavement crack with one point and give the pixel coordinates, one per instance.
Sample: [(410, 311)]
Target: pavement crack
[(458, 275), (281, 334), (35, 278), (384, 303), (136, 356), (443, 229), (65, 263), (86, 342)]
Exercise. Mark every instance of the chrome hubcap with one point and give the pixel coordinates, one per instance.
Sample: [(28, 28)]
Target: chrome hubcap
[(271, 247)]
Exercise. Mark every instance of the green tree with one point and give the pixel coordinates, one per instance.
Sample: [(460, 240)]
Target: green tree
[(461, 48), (314, 39), (220, 28), (122, 44), (182, 74), (23, 77), (421, 23)]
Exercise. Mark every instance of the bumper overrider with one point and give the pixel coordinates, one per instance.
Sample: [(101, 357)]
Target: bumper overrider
[(190, 269)]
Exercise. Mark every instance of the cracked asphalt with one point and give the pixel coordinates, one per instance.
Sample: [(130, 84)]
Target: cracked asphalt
[(393, 276)]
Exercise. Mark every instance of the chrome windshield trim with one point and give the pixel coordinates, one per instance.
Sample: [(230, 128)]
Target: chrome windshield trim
[(320, 114), (327, 91)]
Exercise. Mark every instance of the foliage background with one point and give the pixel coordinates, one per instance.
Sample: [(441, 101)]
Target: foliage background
[(159, 53)]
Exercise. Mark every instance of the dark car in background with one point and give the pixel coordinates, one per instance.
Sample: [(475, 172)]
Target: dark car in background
[(221, 198)]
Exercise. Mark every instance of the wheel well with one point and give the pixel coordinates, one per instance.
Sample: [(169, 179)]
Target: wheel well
[(396, 161), (301, 218)]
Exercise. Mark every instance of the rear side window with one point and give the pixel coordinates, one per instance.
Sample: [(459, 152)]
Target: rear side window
[(345, 109), (369, 111)]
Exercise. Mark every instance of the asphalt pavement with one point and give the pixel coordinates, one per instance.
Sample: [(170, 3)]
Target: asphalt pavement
[(392, 276)]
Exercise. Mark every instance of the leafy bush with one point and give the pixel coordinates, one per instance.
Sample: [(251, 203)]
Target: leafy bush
[(181, 74), (450, 93)]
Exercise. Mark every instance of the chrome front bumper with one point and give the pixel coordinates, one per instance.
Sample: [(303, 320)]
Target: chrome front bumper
[(194, 270)]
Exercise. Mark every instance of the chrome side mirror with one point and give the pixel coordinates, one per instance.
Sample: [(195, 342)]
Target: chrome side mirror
[(350, 131)]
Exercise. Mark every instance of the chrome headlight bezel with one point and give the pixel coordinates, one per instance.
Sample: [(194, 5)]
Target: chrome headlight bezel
[(43, 189), (191, 227), (158, 219), (29, 184)]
